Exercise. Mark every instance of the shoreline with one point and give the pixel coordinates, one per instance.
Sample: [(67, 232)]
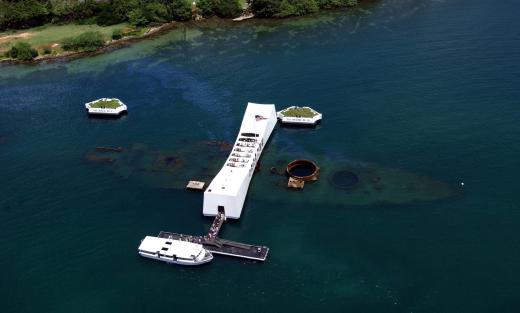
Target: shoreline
[(159, 31), (108, 47)]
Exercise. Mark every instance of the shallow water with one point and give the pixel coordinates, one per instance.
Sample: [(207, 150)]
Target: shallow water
[(425, 90)]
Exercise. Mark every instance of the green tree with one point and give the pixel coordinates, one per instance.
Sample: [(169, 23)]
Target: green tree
[(228, 8), (156, 12), (116, 11), (121, 8), (62, 7), (286, 9), (303, 7), (330, 4), (117, 34), (221, 8), (137, 17), (296, 7), (22, 51), (266, 8), (86, 9), (22, 13), (180, 10), (206, 7)]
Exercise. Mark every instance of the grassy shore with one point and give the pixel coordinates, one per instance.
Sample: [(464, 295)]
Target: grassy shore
[(49, 38)]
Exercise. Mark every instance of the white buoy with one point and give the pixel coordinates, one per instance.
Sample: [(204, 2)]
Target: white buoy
[(462, 184)]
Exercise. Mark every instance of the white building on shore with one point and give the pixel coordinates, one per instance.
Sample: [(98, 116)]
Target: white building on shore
[(227, 192)]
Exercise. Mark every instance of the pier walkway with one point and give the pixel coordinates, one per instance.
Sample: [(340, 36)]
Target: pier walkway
[(217, 245)]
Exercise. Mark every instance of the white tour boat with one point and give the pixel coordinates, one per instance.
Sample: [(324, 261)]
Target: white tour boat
[(106, 106), (174, 251)]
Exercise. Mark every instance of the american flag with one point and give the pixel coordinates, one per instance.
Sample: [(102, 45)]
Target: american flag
[(259, 118)]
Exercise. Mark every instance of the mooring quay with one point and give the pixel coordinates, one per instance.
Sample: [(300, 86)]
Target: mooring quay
[(223, 247), (214, 244)]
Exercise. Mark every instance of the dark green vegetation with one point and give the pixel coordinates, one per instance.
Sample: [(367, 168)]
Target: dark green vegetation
[(141, 13), (221, 8), (284, 8), (106, 104), (28, 13), (88, 41), (22, 51), (117, 34), (15, 14)]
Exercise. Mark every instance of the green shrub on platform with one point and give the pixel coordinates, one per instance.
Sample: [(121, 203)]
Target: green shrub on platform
[(299, 112), (106, 104)]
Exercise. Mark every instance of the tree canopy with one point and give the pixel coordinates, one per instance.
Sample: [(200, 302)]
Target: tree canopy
[(28, 13), (284, 8), (221, 8)]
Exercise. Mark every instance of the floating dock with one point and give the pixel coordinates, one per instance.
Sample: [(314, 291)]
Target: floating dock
[(216, 245), (224, 247), (195, 185)]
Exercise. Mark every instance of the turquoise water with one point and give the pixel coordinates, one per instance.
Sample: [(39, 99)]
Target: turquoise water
[(423, 87)]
